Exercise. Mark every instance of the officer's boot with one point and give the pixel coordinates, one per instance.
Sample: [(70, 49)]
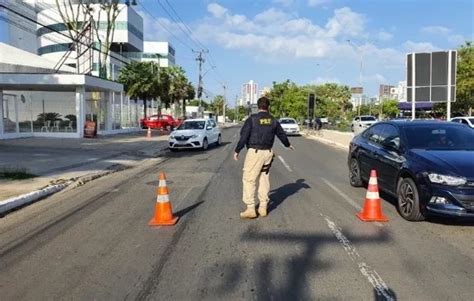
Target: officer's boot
[(262, 209), (249, 212)]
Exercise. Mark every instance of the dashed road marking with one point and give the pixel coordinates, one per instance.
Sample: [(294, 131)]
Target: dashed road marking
[(372, 276), (285, 164)]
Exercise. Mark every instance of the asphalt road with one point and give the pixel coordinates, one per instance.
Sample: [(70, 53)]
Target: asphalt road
[(93, 242)]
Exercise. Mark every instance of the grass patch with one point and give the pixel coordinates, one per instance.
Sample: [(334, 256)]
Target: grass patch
[(10, 173)]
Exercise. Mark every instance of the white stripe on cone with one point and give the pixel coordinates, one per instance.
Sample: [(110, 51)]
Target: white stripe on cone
[(162, 198), (372, 195), (373, 181), (162, 183)]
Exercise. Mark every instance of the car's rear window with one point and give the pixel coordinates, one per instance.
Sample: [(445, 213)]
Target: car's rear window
[(287, 121), (192, 125), (440, 137), (367, 118)]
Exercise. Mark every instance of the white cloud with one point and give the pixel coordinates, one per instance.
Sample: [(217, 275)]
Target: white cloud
[(374, 78), (384, 36), (317, 2), (345, 22), (456, 39), (435, 30), (322, 80), (270, 16), (411, 46), (216, 10)]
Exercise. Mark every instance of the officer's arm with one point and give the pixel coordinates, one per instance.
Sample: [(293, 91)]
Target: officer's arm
[(280, 133), (244, 135)]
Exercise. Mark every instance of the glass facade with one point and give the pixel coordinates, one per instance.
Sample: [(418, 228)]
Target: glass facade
[(37, 111), (45, 112)]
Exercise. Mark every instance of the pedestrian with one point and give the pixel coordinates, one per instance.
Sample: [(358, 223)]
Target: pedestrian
[(258, 134)]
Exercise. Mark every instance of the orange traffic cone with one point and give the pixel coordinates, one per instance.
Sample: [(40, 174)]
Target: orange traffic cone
[(163, 212), (148, 133), (372, 211)]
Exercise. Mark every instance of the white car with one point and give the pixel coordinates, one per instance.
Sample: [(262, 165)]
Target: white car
[(469, 121), (290, 126), (360, 123), (195, 133)]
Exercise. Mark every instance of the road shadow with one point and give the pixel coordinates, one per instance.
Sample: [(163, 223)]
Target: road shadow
[(279, 195), (286, 276), (188, 209)]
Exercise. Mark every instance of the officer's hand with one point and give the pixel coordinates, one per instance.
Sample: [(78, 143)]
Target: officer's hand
[(291, 147), (236, 156)]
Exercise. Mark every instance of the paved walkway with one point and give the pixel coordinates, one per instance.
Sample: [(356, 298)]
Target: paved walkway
[(331, 137), (55, 160)]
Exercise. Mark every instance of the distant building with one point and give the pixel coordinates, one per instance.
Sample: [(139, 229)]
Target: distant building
[(160, 52), (264, 91), (249, 93), (385, 91)]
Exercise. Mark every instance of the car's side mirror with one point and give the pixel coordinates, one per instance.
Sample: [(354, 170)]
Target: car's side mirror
[(209, 127), (390, 145)]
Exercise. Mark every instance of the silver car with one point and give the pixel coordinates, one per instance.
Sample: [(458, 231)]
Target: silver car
[(360, 123)]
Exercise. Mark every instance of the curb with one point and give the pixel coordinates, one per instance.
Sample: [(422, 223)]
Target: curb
[(329, 142), (24, 199)]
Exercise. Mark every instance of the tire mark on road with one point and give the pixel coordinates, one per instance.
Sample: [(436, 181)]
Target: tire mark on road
[(372, 276)]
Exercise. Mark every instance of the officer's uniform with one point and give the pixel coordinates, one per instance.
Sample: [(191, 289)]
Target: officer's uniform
[(258, 134)]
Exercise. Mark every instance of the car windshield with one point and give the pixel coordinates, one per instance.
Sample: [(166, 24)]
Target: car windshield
[(367, 118), (287, 121), (192, 125), (440, 137)]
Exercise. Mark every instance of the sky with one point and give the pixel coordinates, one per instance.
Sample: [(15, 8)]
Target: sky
[(305, 41)]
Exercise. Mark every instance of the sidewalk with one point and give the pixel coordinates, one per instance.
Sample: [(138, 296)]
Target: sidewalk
[(334, 138), (58, 161)]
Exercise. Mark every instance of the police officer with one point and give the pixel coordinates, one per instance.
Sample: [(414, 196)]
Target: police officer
[(258, 134)]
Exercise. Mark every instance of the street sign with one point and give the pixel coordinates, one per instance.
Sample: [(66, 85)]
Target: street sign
[(311, 102), (431, 77)]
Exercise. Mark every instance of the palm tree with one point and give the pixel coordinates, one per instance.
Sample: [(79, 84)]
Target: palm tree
[(141, 80)]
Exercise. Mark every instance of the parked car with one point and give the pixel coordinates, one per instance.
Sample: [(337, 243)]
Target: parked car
[(360, 123), (290, 126), (469, 121), (195, 133), (427, 165), (159, 122), (324, 120)]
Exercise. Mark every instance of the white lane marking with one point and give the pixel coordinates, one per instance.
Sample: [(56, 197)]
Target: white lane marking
[(342, 194), (372, 276), (284, 163), (347, 198)]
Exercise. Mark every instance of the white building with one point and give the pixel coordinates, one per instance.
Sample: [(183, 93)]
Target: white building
[(161, 52), (249, 93)]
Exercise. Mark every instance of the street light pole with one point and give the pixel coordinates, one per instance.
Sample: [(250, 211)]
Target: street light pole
[(360, 72)]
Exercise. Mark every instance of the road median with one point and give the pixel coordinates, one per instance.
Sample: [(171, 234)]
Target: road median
[(337, 139)]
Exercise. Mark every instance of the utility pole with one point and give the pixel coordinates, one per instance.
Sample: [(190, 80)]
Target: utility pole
[(237, 108), (201, 60), (225, 100)]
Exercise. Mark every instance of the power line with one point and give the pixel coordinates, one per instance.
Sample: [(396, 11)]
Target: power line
[(191, 34), (63, 34), (164, 27)]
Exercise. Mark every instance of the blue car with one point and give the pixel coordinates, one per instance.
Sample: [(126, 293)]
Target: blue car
[(427, 165)]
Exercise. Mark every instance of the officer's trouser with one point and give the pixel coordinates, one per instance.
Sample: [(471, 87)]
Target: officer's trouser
[(254, 162)]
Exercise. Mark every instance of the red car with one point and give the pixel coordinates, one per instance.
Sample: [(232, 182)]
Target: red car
[(159, 121)]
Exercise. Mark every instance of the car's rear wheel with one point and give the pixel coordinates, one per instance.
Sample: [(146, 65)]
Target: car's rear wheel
[(205, 144), (354, 173), (409, 200)]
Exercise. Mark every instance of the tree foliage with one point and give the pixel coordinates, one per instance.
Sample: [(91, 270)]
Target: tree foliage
[(465, 80)]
